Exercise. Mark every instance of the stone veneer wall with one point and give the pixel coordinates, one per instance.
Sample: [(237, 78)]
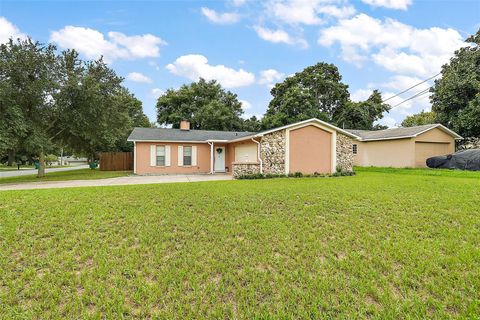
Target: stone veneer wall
[(344, 152), (240, 169), (273, 152)]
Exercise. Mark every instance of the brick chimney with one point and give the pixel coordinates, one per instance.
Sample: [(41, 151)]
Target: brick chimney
[(185, 125)]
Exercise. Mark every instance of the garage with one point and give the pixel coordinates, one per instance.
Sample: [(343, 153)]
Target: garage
[(425, 150), (403, 147)]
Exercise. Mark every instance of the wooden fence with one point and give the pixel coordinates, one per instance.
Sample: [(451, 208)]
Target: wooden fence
[(116, 161)]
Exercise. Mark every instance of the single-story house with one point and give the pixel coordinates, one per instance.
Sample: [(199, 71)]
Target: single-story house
[(308, 146), (403, 147)]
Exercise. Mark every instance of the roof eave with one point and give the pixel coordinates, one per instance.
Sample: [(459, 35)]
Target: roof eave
[(331, 126), (166, 141)]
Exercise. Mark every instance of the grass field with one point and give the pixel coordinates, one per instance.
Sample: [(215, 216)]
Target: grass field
[(383, 244), (80, 174)]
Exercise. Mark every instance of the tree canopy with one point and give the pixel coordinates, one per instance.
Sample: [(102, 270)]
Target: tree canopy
[(49, 100), (204, 103), (362, 115), (455, 98), (317, 92), (419, 119)]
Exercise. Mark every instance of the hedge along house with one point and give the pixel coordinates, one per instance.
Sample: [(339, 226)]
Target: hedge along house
[(403, 147), (308, 146)]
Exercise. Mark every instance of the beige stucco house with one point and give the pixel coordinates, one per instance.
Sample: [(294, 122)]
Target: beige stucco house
[(308, 146), (403, 147)]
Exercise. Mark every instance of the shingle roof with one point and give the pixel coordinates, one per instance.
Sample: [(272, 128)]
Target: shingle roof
[(399, 133), (164, 134)]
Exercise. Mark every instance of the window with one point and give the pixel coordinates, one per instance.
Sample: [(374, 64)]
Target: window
[(246, 153), (187, 156), (161, 156), (354, 149)]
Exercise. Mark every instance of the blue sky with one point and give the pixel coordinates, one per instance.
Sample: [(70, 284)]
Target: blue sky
[(249, 45)]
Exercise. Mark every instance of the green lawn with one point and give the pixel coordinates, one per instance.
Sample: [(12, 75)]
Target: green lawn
[(386, 243), (80, 174)]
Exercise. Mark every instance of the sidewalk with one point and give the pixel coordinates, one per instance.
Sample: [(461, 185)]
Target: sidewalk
[(120, 181)]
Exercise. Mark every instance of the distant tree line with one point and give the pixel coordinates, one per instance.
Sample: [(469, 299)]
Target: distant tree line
[(51, 100)]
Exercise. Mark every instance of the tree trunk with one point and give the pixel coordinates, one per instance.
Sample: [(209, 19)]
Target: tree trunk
[(41, 169), (11, 157)]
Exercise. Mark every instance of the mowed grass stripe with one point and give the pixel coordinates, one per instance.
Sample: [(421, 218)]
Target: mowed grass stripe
[(380, 244)]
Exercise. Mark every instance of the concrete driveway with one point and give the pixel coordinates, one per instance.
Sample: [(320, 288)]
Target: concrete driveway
[(120, 181), (26, 172)]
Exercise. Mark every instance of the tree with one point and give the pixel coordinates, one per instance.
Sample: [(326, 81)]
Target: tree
[(252, 124), (315, 92), (28, 80), (137, 118), (361, 115), (455, 95), (93, 106), (419, 119), (205, 104)]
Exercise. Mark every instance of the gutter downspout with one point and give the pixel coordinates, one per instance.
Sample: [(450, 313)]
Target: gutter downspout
[(258, 155), (211, 156), (134, 157)]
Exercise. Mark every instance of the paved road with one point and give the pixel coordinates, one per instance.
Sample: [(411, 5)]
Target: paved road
[(26, 172), (128, 180)]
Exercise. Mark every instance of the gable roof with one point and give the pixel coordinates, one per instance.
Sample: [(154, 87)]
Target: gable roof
[(312, 120), (178, 135), (166, 134), (401, 133)]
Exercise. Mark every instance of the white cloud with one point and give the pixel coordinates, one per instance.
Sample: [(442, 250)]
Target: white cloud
[(94, 44), (360, 95), (279, 36), (238, 3), (9, 30), (143, 46), (194, 66), (395, 46), (388, 121), (245, 104), (269, 77), (220, 18), (391, 4), (156, 92), (138, 77), (259, 116), (154, 65), (308, 12)]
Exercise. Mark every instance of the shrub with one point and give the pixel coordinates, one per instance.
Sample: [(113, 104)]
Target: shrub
[(255, 176)]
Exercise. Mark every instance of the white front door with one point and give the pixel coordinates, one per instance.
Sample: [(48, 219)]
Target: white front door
[(219, 159)]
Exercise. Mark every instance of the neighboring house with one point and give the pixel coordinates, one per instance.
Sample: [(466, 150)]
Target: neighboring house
[(403, 147), (308, 146)]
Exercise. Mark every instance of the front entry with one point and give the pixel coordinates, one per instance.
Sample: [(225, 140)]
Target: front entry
[(219, 159)]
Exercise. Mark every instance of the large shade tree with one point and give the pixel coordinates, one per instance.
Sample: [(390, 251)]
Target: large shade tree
[(95, 112), (28, 79), (318, 92), (455, 96), (315, 92), (49, 100), (204, 103)]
